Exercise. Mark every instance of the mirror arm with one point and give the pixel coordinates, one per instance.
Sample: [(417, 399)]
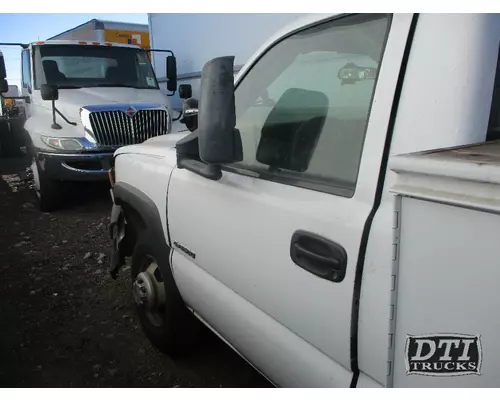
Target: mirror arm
[(209, 171), (55, 125), (63, 117), (188, 157), (177, 118), (160, 51)]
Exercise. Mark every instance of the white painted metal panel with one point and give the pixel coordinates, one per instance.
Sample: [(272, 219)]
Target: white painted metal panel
[(450, 55), (434, 111), (197, 38), (448, 268), (448, 283)]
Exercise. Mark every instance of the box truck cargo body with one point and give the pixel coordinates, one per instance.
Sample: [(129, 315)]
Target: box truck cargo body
[(197, 38), (108, 31)]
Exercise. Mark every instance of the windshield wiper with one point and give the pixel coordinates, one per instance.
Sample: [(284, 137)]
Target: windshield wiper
[(68, 87), (118, 85)]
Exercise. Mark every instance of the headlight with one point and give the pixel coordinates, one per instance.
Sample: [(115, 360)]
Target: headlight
[(66, 143)]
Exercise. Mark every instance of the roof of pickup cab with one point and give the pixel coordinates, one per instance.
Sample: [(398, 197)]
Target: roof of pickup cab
[(302, 21), (83, 43)]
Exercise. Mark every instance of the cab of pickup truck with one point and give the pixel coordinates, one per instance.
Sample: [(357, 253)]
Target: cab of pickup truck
[(275, 223), (83, 101)]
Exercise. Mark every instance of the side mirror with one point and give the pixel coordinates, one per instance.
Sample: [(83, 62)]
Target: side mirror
[(215, 141), (190, 113), (4, 86), (3, 71), (49, 92), (219, 141), (185, 91), (171, 73)]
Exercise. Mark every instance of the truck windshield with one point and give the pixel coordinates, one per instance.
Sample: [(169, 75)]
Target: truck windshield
[(77, 66)]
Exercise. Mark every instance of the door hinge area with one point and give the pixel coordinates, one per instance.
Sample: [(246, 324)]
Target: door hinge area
[(396, 228)]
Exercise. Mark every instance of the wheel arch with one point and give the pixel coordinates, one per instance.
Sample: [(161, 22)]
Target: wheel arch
[(140, 212)]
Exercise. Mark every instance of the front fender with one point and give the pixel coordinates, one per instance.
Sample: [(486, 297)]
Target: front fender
[(133, 212), (40, 122)]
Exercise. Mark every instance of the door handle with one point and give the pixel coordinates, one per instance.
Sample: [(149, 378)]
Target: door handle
[(318, 255)]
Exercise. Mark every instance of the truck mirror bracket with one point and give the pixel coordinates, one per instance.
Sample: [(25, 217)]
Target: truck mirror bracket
[(188, 157)]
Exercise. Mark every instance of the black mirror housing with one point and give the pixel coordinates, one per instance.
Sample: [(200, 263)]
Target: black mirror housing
[(216, 141), (185, 91), (190, 113), (171, 73), (3, 71), (49, 92), (219, 141), (4, 86)]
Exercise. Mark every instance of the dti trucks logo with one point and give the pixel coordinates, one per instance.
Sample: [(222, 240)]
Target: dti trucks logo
[(443, 355)]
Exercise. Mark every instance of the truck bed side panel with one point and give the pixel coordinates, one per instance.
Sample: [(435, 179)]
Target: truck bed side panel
[(446, 308), (448, 283)]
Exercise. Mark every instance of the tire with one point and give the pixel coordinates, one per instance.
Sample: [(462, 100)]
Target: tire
[(170, 327), (48, 191)]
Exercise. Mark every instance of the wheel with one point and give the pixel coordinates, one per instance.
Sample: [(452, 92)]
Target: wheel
[(165, 320), (48, 191)]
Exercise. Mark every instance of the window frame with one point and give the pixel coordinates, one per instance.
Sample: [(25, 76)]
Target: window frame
[(495, 93), (328, 187), (26, 84)]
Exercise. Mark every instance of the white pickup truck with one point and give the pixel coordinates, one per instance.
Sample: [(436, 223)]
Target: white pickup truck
[(83, 101), (335, 216)]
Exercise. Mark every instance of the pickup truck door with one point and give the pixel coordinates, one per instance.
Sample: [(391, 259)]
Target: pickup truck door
[(267, 255)]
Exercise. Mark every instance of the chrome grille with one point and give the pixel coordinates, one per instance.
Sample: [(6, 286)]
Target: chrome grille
[(116, 128)]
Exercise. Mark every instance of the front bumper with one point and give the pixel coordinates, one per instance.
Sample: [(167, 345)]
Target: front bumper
[(76, 166)]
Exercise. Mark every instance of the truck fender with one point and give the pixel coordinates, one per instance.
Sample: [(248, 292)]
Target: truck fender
[(132, 213)]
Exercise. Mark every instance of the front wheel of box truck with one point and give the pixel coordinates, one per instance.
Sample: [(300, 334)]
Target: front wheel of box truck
[(165, 319)]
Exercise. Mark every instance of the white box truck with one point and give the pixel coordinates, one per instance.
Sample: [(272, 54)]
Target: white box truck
[(83, 101)]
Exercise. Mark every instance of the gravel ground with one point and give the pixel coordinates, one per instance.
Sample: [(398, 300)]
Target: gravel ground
[(64, 321)]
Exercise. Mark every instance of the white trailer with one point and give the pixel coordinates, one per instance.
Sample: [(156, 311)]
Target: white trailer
[(197, 38)]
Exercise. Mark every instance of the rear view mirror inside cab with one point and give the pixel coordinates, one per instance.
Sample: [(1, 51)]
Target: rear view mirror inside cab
[(352, 73), (291, 131)]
